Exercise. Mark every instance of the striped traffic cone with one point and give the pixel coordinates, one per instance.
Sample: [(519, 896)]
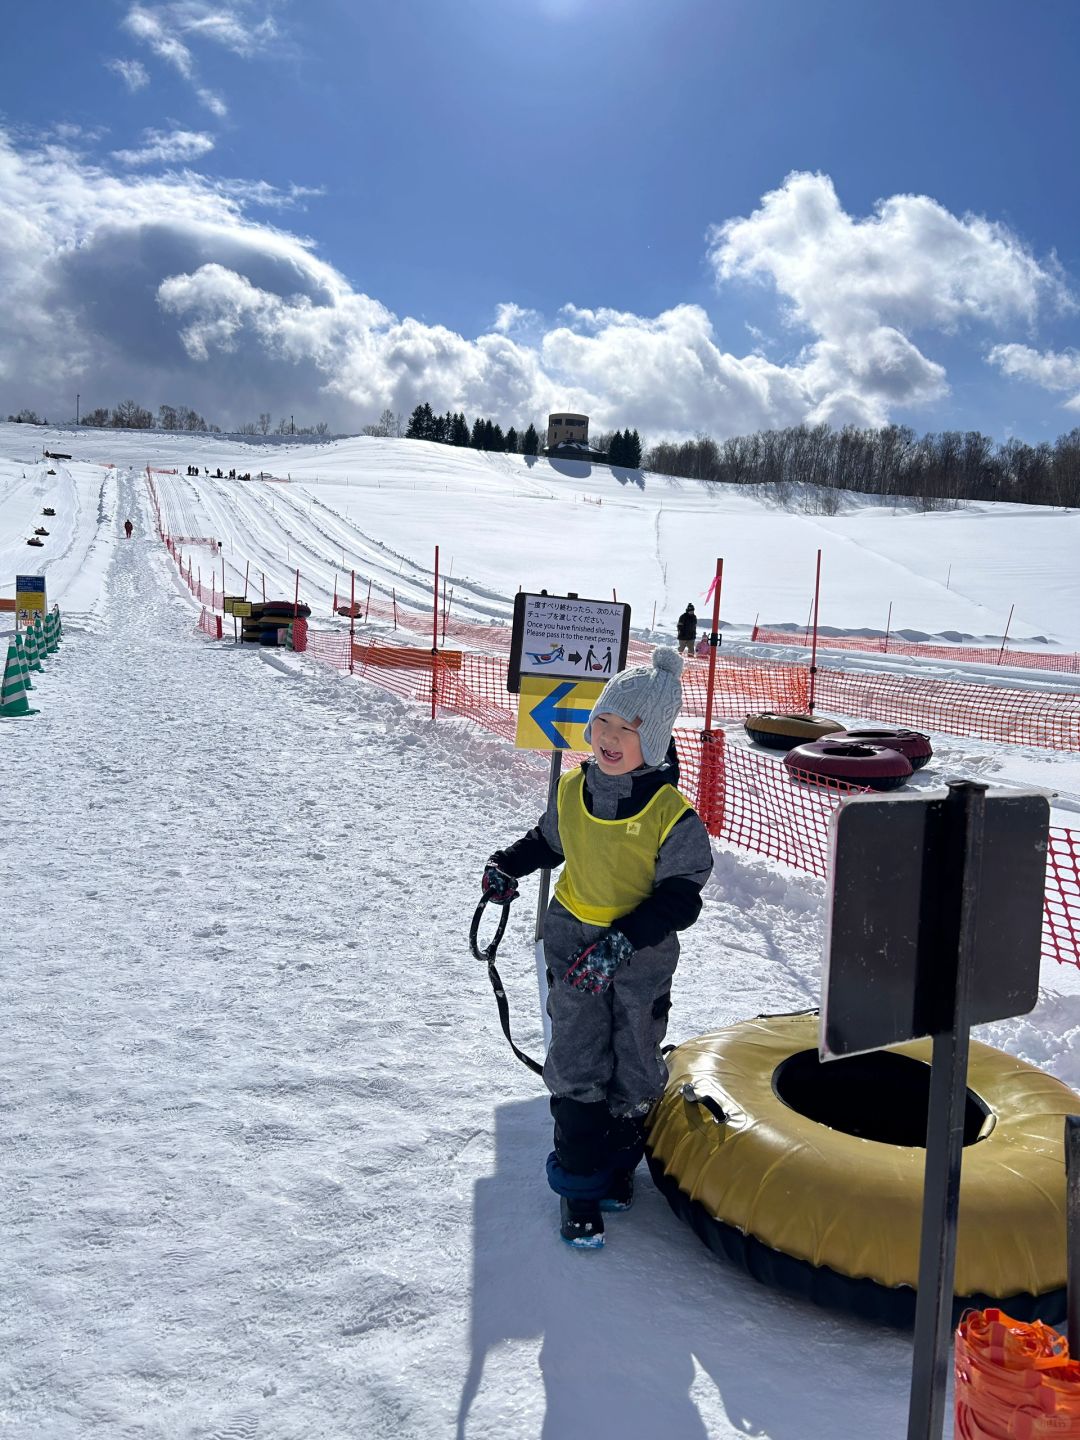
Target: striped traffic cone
[(20, 650), (39, 638), (13, 699), (52, 641), (33, 659)]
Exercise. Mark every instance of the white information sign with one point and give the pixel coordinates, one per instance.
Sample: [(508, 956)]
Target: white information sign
[(562, 636)]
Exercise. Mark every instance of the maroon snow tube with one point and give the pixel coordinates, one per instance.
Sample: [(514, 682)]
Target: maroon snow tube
[(855, 762), (912, 743)]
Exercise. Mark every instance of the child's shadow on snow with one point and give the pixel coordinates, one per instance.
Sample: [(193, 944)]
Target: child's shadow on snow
[(625, 1332)]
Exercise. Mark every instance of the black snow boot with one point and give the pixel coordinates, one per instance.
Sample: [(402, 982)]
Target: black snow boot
[(620, 1194), (582, 1224)]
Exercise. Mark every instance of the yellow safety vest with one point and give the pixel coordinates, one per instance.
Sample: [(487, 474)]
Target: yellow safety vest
[(610, 864)]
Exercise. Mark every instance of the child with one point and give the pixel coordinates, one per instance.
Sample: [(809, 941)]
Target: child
[(636, 859)]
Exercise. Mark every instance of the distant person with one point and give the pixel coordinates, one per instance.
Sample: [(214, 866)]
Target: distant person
[(128, 528), (686, 629)]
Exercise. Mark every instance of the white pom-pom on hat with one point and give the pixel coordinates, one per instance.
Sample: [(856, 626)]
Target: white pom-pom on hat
[(648, 696), (665, 657)]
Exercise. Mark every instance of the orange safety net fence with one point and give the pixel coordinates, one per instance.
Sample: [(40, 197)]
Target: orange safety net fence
[(1068, 664), (1014, 1381), (1048, 719), (745, 798)]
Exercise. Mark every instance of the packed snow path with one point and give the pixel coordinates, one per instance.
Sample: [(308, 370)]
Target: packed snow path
[(270, 1169)]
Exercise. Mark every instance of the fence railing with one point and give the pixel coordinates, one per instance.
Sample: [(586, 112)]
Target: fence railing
[(1066, 664)]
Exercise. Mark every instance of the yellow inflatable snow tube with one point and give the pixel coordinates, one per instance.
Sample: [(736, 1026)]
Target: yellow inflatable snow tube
[(810, 1176)]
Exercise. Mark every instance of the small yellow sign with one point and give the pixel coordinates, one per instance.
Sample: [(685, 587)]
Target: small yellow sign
[(240, 608), (29, 599), (552, 713)]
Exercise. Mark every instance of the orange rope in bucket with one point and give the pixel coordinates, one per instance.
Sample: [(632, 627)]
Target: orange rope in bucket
[(1014, 1381)]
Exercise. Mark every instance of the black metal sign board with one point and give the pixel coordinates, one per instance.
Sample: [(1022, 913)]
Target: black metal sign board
[(891, 917), (566, 638)]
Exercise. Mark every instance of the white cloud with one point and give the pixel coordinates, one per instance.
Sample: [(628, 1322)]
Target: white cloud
[(860, 287), (509, 316), (163, 286), (166, 148), (158, 27), (132, 72), (1051, 369)]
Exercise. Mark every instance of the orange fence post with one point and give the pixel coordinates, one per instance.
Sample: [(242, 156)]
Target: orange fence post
[(352, 620), (435, 632), (714, 640)]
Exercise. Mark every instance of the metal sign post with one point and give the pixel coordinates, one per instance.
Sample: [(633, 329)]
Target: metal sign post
[(934, 925), (945, 1127)]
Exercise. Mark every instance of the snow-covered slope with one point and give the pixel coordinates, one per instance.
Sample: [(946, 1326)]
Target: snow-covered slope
[(270, 1170)]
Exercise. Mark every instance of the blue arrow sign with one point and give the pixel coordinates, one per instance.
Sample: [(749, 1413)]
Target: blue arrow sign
[(548, 714)]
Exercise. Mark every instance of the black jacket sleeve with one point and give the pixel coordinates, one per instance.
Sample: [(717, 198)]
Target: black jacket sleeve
[(673, 905), (531, 852)]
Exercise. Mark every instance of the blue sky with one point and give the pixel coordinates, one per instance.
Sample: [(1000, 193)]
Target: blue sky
[(694, 214)]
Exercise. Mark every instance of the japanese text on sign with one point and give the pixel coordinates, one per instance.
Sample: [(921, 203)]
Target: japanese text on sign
[(568, 638)]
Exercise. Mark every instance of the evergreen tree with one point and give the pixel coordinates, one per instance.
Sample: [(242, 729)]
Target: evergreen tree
[(498, 439), (512, 440), (531, 444), (634, 451), (489, 435), (459, 433), (617, 449), (416, 424), (438, 429), (476, 440)]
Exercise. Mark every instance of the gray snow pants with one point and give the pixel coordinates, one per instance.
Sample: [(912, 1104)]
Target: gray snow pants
[(607, 1047)]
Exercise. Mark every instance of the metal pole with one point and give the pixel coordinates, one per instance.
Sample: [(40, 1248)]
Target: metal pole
[(948, 575), (813, 652), (888, 627), (541, 908), (1005, 637), (246, 564), (296, 598), (965, 808), (1072, 1229), (653, 630)]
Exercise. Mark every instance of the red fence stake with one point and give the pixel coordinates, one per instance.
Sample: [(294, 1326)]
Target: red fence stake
[(367, 607), (1005, 637), (435, 632), (813, 652), (714, 638)]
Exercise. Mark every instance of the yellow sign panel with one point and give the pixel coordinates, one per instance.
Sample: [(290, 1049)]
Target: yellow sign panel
[(240, 608), (29, 598), (552, 714)]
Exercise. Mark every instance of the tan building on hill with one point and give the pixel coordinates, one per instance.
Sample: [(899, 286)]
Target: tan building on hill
[(565, 428)]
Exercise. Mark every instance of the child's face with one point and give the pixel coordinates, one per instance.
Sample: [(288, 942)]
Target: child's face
[(616, 744)]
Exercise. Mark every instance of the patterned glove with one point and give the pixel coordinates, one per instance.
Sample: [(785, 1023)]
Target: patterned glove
[(498, 887), (593, 968)]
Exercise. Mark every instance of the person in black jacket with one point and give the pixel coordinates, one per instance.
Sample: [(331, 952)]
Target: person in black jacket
[(686, 629), (636, 857)]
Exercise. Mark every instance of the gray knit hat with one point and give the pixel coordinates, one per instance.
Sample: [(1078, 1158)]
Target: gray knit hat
[(649, 693)]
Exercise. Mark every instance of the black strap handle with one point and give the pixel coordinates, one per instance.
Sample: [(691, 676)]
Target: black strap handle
[(487, 957)]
